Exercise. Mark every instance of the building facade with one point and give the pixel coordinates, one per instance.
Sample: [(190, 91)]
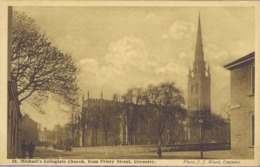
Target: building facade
[(14, 122), (242, 106), (47, 136), (14, 115), (29, 130)]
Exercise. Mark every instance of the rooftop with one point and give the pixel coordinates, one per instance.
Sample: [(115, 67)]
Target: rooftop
[(234, 64)]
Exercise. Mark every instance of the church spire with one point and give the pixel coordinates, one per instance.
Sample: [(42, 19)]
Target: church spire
[(199, 56), (199, 78)]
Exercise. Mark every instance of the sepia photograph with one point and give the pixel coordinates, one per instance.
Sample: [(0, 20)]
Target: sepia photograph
[(111, 84)]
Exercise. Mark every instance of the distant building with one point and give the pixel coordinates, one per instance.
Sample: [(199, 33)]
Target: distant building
[(46, 136), (61, 134), (242, 105), (14, 115), (30, 130)]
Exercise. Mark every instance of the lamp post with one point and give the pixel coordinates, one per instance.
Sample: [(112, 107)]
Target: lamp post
[(200, 121)]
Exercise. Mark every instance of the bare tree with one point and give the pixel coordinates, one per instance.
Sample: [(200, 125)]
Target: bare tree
[(132, 104), (209, 122), (148, 117), (168, 101), (39, 68), (107, 113)]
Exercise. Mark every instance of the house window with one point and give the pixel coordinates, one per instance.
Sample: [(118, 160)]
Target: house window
[(253, 130), (252, 81)]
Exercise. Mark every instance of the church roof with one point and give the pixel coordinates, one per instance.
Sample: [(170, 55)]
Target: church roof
[(234, 64)]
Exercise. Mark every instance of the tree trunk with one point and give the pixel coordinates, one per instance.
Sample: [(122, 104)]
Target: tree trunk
[(93, 143), (161, 132), (96, 139), (160, 139), (106, 137)]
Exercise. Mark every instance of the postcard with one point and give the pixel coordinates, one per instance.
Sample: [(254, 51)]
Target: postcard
[(130, 83)]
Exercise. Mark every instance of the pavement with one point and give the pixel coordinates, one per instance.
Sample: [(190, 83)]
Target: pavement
[(50, 153)]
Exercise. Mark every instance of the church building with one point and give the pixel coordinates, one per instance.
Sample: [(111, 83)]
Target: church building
[(115, 122)]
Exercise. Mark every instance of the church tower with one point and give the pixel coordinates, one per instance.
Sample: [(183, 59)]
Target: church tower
[(199, 79)]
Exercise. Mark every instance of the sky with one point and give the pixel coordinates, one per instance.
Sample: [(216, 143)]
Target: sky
[(117, 48)]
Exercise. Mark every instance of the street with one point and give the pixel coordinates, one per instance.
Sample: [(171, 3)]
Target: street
[(49, 153)]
